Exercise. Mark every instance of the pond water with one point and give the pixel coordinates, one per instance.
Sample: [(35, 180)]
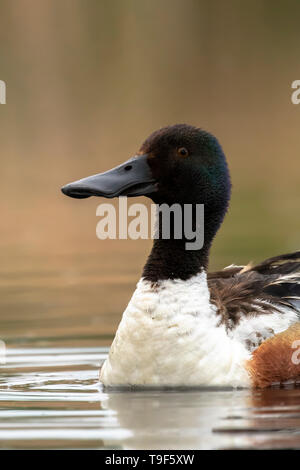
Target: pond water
[(50, 396)]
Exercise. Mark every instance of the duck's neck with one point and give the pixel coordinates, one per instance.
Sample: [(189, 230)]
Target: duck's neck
[(170, 258)]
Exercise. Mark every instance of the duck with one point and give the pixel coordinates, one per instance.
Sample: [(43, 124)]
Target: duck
[(185, 326)]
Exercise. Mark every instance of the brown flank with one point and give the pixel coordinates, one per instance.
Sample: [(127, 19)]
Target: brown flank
[(272, 361)]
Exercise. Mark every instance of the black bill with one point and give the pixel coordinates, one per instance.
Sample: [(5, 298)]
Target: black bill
[(132, 178)]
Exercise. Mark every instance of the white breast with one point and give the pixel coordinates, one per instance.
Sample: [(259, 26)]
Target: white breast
[(169, 335)]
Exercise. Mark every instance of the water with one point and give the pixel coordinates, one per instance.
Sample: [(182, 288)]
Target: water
[(50, 398)]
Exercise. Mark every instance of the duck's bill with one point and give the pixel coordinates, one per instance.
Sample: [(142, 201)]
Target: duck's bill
[(132, 178)]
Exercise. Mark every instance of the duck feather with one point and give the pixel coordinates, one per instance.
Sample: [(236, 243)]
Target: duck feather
[(271, 286)]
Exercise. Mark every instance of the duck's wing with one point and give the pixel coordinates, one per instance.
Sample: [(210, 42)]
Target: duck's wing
[(242, 291), (260, 307), (284, 275)]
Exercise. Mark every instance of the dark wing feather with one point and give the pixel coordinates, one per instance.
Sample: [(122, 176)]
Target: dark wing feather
[(240, 291), (283, 264), (285, 274)]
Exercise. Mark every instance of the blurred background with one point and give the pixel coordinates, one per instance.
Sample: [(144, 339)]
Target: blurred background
[(87, 81)]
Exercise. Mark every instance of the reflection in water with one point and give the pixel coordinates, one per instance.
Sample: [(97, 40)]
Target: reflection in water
[(173, 420), (207, 419), (51, 398)]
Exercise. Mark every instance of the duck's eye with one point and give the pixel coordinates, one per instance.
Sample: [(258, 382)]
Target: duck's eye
[(182, 152)]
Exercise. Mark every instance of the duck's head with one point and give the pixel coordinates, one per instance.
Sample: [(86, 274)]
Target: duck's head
[(176, 164)]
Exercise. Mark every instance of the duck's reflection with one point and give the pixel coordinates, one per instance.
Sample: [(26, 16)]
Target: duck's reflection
[(174, 420), (280, 398)]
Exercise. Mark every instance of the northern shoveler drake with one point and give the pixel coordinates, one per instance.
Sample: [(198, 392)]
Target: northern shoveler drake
[(184, 326)]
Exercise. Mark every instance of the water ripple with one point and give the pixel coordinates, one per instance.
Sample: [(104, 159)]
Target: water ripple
[(51, 398)]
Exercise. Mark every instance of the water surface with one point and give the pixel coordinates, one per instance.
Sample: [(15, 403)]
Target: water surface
[(51, 398)]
